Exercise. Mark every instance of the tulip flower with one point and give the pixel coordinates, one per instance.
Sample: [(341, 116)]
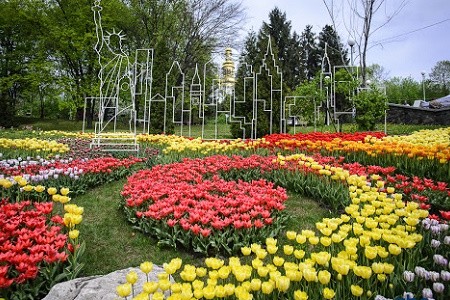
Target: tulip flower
[(123, 290)]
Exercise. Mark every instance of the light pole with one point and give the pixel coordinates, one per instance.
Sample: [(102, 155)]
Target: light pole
[(351, 43), (423, 84)]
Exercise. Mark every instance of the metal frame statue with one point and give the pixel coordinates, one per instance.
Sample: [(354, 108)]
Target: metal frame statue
[(125, 94), (117, 90)]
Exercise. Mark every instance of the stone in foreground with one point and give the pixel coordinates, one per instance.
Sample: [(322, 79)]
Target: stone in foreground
[(99, 287)]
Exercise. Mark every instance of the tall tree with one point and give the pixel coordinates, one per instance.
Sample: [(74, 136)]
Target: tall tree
[(276, 75), (286, 45), (310, 53), (360, 22), (18, 48), (440, 75), (243, 106), (336, 52)]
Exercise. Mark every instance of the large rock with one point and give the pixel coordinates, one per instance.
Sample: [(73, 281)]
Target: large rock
[(98, 287)]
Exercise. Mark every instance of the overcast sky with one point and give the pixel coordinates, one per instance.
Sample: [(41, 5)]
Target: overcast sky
[(414, 41)]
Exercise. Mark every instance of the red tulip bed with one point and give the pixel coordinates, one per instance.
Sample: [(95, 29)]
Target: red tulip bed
[(220, 203), (29, 240), (39, 244)]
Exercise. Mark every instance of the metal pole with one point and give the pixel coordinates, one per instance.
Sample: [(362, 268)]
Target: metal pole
[(423, 84)]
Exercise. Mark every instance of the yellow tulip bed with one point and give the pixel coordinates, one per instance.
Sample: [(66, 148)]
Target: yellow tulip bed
[(368, 252), (30, 147), (362, 253)]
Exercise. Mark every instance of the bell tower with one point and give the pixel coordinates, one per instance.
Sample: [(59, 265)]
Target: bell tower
[(228, 79)]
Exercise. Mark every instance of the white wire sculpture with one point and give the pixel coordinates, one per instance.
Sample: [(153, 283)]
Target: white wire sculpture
[(126, 84), (117, 90)]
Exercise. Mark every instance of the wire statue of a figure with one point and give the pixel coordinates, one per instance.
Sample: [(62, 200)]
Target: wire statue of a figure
[(117, 89)]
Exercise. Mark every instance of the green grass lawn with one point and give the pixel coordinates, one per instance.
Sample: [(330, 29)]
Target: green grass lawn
[(223, 130)]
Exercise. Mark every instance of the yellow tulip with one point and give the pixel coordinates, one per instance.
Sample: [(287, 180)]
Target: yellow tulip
[(288, 249), (165, 284), (255, 284), (388, 268), (271, 241), (267, 287), (378, 268), (64, 191), (310, 275), (73, 234), (314, 240), (39, 188), (224, 272), (158, 296), (363, 271), (272, 249), (123, 290), (325, 241), (278, 261), (261, 253), (299, 254), (246, 250), (300, 295), (175, 287), (356, 290), (263, 271), (370, 252), (63, 199), (394, 249), (51, 191), (28, 188), (300, 238), (390, 190), (291, 235), (198, 284), (324, 277), (132, 277), (150, 287), (381, 277), (229, 289), (282, 283), (328, 293), (146, 267)]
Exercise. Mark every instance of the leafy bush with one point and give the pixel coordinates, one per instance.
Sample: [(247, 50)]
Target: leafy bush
[(370, 107)]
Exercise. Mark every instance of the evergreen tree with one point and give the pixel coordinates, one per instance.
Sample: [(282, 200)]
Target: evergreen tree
[(270, 70), (335, 49), (271, 87), (286, 46), (243, 106), (311, 57)]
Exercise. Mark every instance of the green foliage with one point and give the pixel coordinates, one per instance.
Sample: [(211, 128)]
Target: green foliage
[(309, 93), (403, 90), (370, 107)]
